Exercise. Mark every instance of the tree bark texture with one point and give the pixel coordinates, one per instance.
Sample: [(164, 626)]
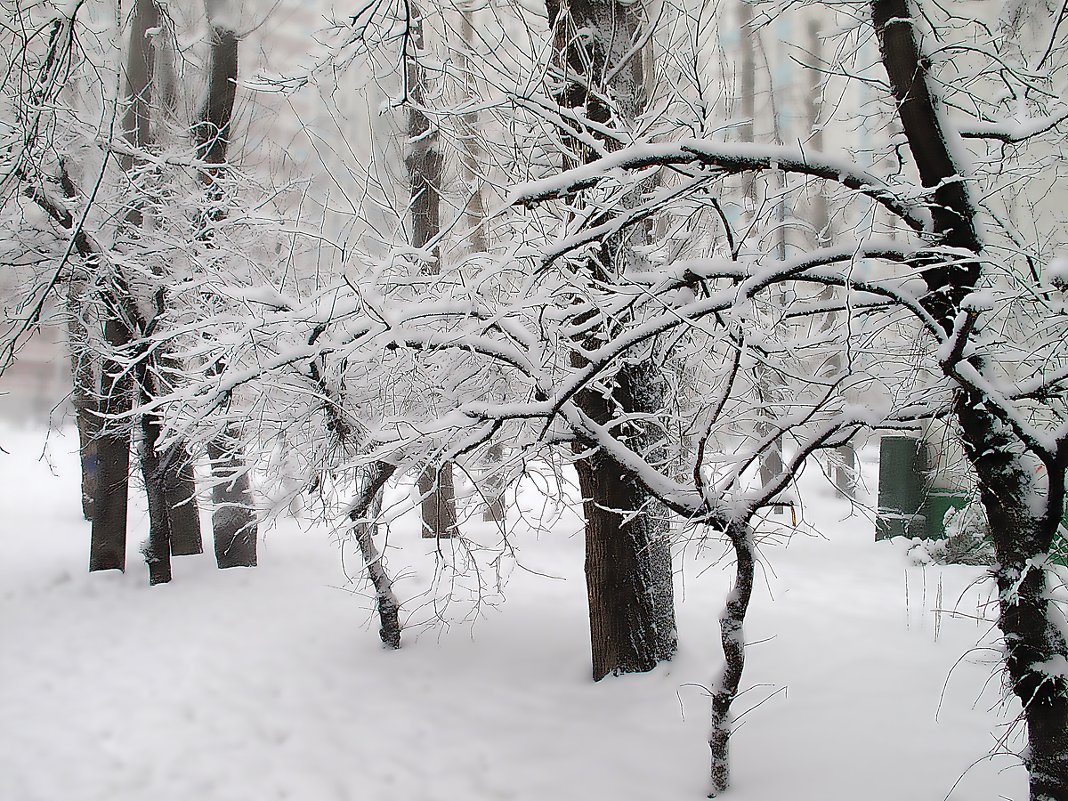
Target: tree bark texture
[(632, 617), (424, 163), (629, 579), (1035, 647), (628, 558), (951, 208), (183, 511)]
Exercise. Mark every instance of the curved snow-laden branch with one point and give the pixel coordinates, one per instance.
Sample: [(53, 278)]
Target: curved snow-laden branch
[(440, 326), (730, 157), (1013, 131)]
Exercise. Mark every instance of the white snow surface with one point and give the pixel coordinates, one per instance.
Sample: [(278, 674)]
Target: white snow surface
[(271, 684)]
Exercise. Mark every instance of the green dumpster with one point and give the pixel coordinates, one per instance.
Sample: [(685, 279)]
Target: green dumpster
[(902, 465)]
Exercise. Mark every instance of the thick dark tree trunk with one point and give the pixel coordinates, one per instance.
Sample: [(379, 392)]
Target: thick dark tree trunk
[(424, 163), (157, 548), (632, 620), (629, 580), (179, 484), (948, 280), (107, 545), (1035, 646), (234, 524), (234, 518), (628, 559)]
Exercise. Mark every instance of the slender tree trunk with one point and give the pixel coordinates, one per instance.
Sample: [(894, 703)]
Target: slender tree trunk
[(1022, 533), (87, 418), (628, 559), (424, 164), (474, 218), (137, 128), (369, 505), (747, 99), (771, 464), (732, 638), (844, 468), (234, 524)]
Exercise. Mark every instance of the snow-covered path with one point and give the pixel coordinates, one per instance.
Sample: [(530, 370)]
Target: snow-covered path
[(270, 683)]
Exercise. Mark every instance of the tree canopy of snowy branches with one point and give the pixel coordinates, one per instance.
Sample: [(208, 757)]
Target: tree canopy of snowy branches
[(642, 288)]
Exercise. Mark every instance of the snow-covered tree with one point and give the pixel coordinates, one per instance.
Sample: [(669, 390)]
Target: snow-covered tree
[(119, 197), (979, 105), (615, 320)]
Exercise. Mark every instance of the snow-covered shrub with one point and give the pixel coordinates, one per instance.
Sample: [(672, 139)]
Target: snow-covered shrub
[(967, 540)]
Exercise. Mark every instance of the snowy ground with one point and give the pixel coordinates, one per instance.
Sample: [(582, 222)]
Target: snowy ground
[(270, 683)]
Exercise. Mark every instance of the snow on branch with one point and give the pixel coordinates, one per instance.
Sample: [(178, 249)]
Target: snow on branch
[(730, 157), (1013, 131)]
